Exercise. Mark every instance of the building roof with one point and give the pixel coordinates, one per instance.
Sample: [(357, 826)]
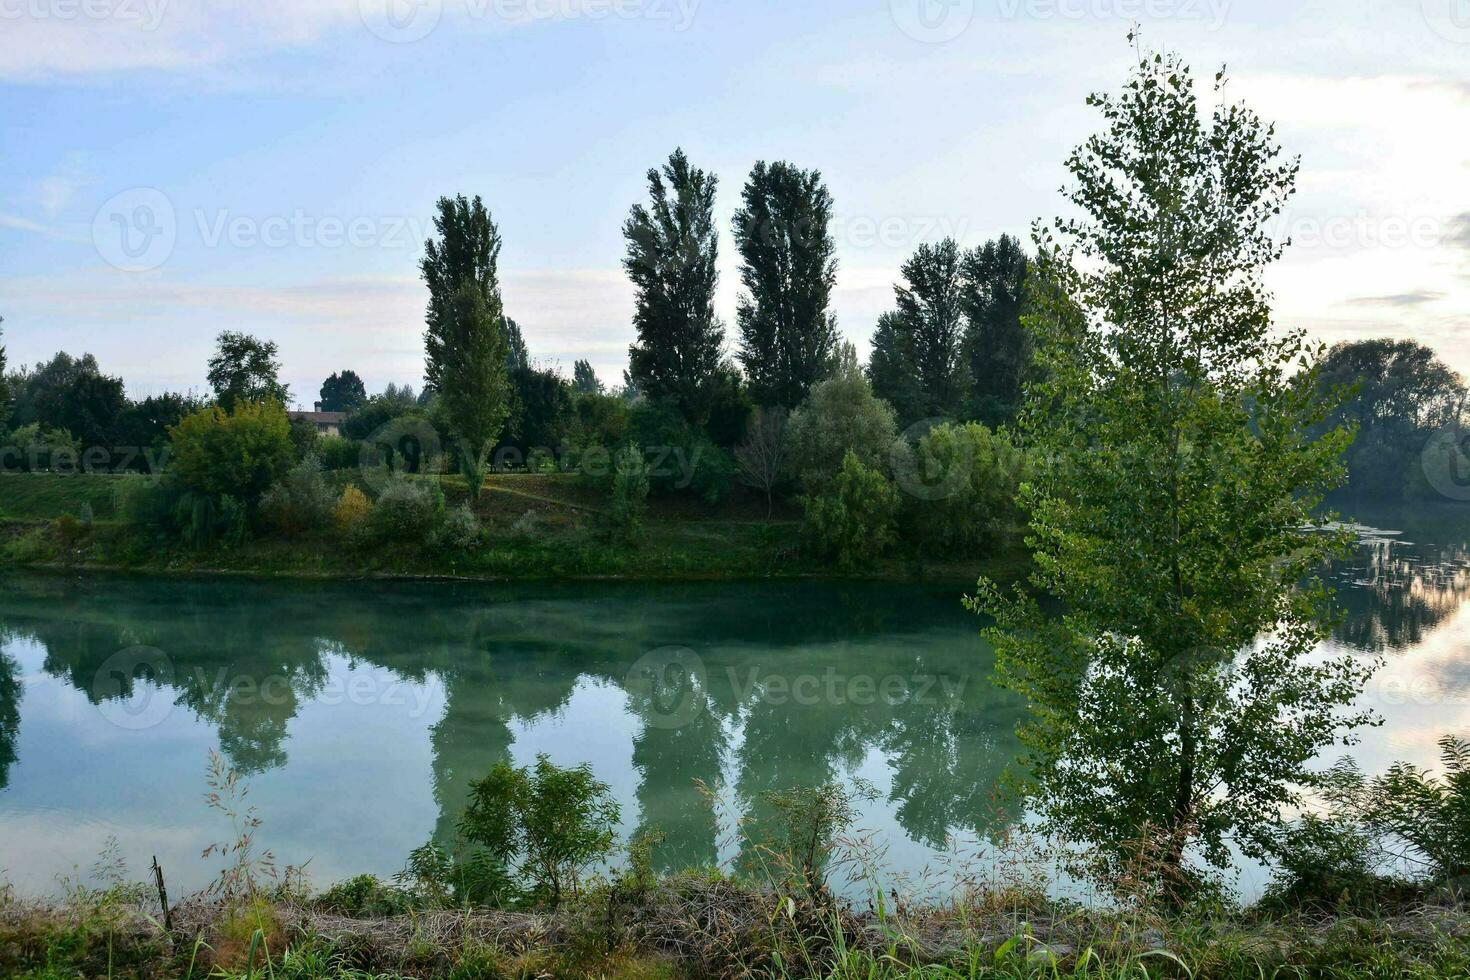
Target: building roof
[(327, 418)]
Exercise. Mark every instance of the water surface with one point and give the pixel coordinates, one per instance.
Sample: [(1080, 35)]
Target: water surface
[(360, 712)]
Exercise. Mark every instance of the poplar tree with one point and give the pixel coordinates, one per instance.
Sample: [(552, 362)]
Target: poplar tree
[(787, 333)]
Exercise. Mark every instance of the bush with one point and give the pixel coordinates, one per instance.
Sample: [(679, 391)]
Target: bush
[(853, 521), (550, 823), (177, 512), (681, 457), (961, 484), (437, 878), (407, 510), (351, 511), (841, 415), (338, 453), (629, 491), (37, 448), (301, 502), (364, 897), (460, 530), (239, 454), (1321, 864)]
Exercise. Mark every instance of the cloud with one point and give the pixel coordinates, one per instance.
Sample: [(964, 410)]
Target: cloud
[(1417, 298), (1459, 233), (18, 223)]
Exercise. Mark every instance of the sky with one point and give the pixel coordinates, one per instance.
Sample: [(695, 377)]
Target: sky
[(173, 168)]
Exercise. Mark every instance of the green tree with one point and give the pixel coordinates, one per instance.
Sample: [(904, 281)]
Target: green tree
[(931, 310), (467, 250), (960, 485), (1403, 394), (5, 399), (787, 333), (853, 520), (473, 389), (552, 824), (245, 369), (996, 345), (237, 454), (343, 392), (90, 407), (1172, 510), (672, 247), (891, 368), (584, 379), (629, 503), (42, 388), (841, 415)]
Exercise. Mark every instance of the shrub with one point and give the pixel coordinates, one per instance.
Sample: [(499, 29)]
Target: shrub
[(681, 457), (841, 415), (853, 520), (550, 823), (460, 530), (1321, 864), (338, 453), (438, 878), (351, 511), (301, 502), (960, 485), (239, 454), (365, 897), (407, 510), (629, 491), (1431, 815), (39, 448)]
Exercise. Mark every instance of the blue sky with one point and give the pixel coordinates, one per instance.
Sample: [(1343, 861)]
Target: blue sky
[(291, 152)]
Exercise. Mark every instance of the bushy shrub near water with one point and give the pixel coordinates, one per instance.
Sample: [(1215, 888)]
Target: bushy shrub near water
[(460, 531), (854, 520), (238, 454), (407, 511), (840, 416), (959, 488), (351, 511), (301, 502), (630, 486)]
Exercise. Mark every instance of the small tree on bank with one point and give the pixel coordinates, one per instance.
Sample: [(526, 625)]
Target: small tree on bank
[(1172, 506)]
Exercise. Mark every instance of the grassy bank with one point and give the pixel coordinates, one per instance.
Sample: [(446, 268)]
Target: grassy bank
[(706, 926), (538, 527)]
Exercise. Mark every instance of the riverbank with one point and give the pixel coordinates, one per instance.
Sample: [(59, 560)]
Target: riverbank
[(702, 925), (538, 528)]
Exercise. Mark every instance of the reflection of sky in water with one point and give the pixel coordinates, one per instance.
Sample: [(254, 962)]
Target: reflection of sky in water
[(391, 699)]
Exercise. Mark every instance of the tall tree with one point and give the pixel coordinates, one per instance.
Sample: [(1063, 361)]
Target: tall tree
[(931, 309), (466, 251), (245, 368), (997, 347), (584, 379), (1172, 506), (672, 247), (517, 357), (343, 392), (787, 334), (5, 392), (474, 390), (43, 385), (891, 369)]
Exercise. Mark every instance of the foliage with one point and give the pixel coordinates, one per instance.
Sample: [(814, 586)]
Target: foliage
[(245, 369), (787, 333), (672, 247), (584, 379), (853, 521), (1172, 506), (38, 390), (841, 416), (305, 440), (407, 511), (364, 897), (1402, 395), (1321, 864), (1418, 818), (961, 483), (680, 455), (238, 454), (464, 255), (343, 391), (931, 309), (550, 824), (339, 453), (460, 531), (762, 458), (441, 879), (351, 511), (145, 424), (730, 407), (471, 381), (997, 348), (804, 830), (891, 368), (541, 409), (301, 502), (629, 501), (89, 407), (37, 448)]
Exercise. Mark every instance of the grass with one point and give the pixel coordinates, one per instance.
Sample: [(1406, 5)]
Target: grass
[(47, 496), (540, 527), (691, 926)]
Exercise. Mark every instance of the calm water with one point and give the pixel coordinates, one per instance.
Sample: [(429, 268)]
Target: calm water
[(361, 712)]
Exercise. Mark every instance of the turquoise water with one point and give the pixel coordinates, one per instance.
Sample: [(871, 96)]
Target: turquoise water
[(358, 713)]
